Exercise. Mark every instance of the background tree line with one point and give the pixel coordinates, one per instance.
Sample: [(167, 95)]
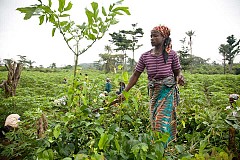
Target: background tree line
[(115, 58)]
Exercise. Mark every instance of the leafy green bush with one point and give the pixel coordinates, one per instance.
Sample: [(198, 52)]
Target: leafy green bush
[(88, 127)]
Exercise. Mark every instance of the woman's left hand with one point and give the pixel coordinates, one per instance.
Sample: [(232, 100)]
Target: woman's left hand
[(181, 80)]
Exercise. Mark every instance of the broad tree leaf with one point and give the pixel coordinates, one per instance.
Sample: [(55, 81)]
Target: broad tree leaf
[(80, 157), (94, 6), (104, 11), (89, 16), (52, 19), (61, 5), (117, 144), (63, 23), (69, 6), (144, 146), (100, 130), (135, 149), (110, 8), (126, 94), (124, 9), (57, 131), (125, 76), (164, 137), (53, 31), (41, 19), (46, 9), (91, 36), (49, 3), (103, 140), (94, 31), (50, 154), (179, 148), (126, 117), (29, 11)]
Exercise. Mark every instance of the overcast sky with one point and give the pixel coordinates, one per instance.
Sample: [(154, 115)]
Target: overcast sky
[(212, 21)]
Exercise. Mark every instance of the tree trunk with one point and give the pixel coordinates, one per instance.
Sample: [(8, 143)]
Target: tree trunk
[(42, 125), (232, 144), (230, 66), (224, 63), (14, 72)]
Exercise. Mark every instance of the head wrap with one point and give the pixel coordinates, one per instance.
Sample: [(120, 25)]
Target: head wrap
[(12, 120), (165, 31)]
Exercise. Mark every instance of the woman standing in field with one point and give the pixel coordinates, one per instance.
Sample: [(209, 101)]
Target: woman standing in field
[(163, 69)]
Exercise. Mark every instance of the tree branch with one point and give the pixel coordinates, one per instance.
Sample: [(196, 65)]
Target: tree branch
[(63, 34)]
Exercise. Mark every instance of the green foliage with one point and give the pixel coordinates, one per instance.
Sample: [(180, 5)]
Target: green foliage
[(230, 50), (94, 29), (87, 128), (127, 40)]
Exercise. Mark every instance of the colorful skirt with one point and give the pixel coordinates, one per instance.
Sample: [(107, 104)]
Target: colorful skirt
[(163, 102)]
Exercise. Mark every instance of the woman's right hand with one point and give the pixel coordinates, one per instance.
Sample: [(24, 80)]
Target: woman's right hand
[(121, 98)]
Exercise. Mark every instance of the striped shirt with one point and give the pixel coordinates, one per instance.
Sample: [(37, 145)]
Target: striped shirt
[(155, 66)]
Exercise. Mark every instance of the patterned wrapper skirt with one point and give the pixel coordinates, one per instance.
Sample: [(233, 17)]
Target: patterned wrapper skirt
[(163, 102)]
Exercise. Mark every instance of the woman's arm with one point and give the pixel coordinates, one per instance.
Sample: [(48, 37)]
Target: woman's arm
[(178, 77), (133, 80)]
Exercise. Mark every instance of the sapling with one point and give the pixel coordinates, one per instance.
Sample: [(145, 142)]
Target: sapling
[(99, 20)]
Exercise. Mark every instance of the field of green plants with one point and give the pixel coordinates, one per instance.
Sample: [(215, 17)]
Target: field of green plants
[(87, 128)]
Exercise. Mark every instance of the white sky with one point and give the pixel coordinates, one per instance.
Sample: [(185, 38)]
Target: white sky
[(212, 21)]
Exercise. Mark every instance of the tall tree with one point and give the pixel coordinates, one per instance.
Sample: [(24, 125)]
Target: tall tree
[(122, 43), (53, 66), (99, 21), (97, 65), (109, 61), (190, 34), (223, 50), (229, 51), (30, 63), (25, 62), (134, 34), (22, 60), (1, 62), (234, 49), (184, 56), (108, 49), (127, 40)]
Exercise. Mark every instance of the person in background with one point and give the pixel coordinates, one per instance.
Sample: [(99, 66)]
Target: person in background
[(64, 80), (11, 122), (164, 73), (108, 85), (86, 77), (121, 87)]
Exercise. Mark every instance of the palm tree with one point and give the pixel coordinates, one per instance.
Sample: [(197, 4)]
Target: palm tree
[(108, 49), (22, 60), (190, 34), (30, 63)]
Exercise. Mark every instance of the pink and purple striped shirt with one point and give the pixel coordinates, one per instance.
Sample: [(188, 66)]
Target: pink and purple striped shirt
[(155, 66)]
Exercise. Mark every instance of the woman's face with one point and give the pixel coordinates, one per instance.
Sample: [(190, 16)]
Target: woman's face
[(156, 38)]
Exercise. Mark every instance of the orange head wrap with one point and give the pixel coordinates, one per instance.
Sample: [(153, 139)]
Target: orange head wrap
[(165, 31)]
